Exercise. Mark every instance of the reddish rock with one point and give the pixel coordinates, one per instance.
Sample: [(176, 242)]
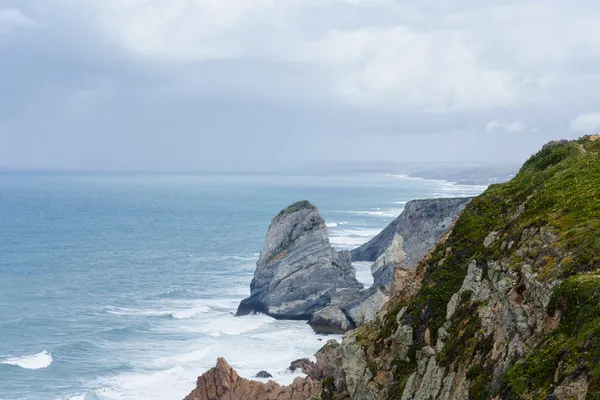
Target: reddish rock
[(223, 383)]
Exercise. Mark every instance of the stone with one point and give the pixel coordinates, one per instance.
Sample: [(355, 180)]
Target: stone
[(298, 272), (263, 375), (421, 224), (223, 383), (394, 256)]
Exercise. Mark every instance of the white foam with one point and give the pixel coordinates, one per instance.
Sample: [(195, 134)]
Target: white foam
[(391, 213), (416, 178), (363, 272), (35, 361), (175, 382), (174, 309), (195, 355), (331, 224), (346, 242), (368, 233), (134, 311), (192, 312)]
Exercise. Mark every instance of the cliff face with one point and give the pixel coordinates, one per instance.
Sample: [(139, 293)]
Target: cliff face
[(421, 224), (400, 245), (298, 272), (506, 307)]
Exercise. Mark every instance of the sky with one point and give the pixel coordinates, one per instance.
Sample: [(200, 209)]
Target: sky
[(230, 85)]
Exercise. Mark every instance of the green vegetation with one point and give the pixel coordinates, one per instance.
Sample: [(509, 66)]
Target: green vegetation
[(570, 350), (550, 212), (297, 206), (328, 391)]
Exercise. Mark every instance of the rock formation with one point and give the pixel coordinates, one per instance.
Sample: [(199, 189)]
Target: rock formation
[(421, 224), (400, 245), (298, 272), (223, 383), (506, 306)]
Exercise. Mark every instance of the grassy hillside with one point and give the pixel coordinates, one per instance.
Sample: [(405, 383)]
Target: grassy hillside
[(554, 198)]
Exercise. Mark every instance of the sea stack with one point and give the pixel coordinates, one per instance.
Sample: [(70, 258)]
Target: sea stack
[(298, 272)]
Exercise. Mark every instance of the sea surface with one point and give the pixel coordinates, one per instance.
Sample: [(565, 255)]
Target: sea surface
[(123, 286)]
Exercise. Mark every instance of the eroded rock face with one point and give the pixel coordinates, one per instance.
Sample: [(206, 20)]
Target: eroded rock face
[(421, 225), (398, 247), (393, 257), (223, 383), (509, 306), (298, 272)]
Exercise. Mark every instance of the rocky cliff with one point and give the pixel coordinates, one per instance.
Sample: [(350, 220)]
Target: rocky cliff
[(506, 306), (421, 224), (400, 245), (298, 272)]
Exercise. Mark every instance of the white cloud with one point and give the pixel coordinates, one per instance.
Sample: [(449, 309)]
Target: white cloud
[(11, 18), (510, 127), (375, 54), (586, 123)]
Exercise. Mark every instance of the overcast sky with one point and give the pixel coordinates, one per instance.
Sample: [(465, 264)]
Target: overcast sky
[(260, 84)]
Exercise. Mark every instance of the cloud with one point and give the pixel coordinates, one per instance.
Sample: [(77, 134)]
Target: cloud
[(11, 18), (510, 127), (371, 53), (206, 78), (399, 67), (586, 123)]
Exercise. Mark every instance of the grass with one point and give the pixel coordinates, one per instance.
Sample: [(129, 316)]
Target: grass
[(297, 206), (557, 190), (570, 350)]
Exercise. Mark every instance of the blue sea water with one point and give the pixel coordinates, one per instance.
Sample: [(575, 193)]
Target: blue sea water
[(122, 286)]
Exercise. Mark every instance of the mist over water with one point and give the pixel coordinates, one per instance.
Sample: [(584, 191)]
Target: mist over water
[(123, 286)]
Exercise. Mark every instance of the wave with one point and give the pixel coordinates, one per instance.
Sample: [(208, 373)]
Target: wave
[(195, 355), (416, 178), (391, 213), (350, 238), (346, 242), (368, 233), (35, 361), (135, 311), (190, 313), (176, 294), (184, 313), (331, 224)]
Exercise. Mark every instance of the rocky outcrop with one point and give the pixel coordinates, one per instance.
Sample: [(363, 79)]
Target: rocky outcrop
[(505, 307), (399, 246), (421, 224), (223, 383), (298, 272)]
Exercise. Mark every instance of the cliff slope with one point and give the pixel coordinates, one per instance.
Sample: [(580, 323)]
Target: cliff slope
[(400, 245), (506, 306), (421, 224)]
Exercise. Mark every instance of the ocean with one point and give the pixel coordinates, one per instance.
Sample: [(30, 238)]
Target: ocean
[(123, 286)]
